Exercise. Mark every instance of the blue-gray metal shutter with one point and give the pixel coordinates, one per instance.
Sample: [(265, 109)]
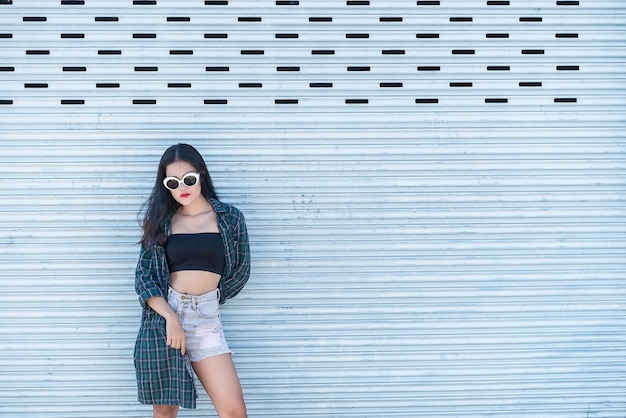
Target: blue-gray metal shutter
[(434, 192)]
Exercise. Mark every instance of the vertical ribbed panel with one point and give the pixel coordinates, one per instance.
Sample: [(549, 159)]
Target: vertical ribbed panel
[(434, 192)]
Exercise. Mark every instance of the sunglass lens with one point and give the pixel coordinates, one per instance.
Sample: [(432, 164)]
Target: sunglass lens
[(189, 181), (172, 184)]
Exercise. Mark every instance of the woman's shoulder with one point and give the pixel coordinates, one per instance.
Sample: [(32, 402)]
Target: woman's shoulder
[(226, 208)]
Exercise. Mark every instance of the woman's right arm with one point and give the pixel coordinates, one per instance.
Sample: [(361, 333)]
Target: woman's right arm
[(152, 295)]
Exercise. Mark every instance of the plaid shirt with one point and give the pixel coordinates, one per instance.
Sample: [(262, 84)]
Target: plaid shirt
[(163, 375)]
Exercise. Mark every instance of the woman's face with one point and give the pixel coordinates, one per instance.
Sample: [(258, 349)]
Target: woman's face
[(185, 195)]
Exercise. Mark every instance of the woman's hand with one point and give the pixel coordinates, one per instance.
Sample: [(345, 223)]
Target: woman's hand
[(175, 334), (173, 329)]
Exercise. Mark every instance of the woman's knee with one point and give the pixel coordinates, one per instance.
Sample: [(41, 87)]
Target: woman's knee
[(233, 411), (165, 411)]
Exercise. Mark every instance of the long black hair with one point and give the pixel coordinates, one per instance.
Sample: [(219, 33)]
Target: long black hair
[(161, 203)]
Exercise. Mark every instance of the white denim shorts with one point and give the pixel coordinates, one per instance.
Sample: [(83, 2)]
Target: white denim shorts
[(200, 318)]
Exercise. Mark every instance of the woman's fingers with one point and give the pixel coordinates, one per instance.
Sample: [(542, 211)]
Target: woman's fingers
[(177, 343)]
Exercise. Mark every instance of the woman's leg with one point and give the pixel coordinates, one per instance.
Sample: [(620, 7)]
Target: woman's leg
[(219, 378), (164, 411)]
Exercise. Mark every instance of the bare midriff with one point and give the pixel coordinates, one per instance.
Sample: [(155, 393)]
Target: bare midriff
[(194, 282)]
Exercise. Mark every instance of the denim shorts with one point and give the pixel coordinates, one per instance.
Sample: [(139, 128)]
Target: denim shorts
[(200, 318)]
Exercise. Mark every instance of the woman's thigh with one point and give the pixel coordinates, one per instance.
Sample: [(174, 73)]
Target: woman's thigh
[(219, 378)]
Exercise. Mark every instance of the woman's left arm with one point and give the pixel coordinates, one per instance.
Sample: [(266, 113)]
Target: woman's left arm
[(242, 245), (240, 273)]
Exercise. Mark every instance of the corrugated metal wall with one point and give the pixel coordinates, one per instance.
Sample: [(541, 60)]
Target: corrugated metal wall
[(434, 192)]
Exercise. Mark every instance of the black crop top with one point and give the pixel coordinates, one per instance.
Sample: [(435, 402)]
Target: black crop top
[(203, 251)]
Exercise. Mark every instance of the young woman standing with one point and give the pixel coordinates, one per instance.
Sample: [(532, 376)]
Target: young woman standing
[(194, 255)]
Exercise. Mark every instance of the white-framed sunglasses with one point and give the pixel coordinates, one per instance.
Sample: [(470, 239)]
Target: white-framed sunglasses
[(189, 179)]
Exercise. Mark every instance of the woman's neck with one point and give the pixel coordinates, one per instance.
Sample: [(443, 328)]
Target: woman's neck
[(200, 206)]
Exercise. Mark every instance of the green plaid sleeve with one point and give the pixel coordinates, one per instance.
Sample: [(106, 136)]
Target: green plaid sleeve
[(147, 284), (237, 271)]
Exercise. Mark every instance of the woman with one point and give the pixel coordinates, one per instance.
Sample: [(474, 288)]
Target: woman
[(194, 255)]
